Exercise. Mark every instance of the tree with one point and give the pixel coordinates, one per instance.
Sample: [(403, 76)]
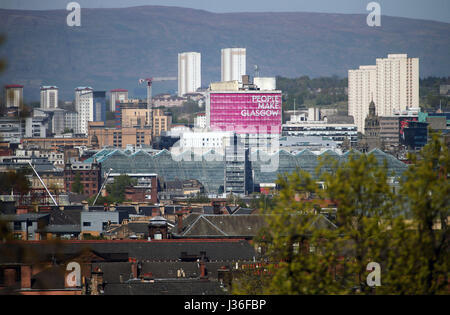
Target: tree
[(286, 244), (406, 234), (116, 190), (77, 186), (15, 181), (365, 202), (419, 258)]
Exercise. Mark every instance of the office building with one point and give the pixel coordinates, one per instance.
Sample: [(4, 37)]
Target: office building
[(200, 120), (84, 106), (99, 102), (328, 131), (49, 97), (415, 135), (89, 175), (99, 136), (233, 64), (189, 72), (125, 105), (117, 95), (71, 121), (36, 127), (244, 111), (12, 129), (238, 173), (162, 122)]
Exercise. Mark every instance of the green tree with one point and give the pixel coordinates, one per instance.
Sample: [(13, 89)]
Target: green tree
[(418, 260), (16, 181), (287, 242), (407, 234), (116, 190), (365, 201), (77, 186)]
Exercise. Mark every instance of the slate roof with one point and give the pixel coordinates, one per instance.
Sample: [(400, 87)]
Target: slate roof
[(115, 272), (165, 287), (24, 216), (243, 211), (218, 225), (238, 225), (65, 217), (77, 199), (208, 209), (50, 278), (143, 250), (128, 209), (62, 228)]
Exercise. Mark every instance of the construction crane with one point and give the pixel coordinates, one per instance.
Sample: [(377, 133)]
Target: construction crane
[(149, 86), (149, 94), (103, 185), (42, 182)]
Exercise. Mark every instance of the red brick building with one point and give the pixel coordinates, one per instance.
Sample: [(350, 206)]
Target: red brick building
[(90, 176)]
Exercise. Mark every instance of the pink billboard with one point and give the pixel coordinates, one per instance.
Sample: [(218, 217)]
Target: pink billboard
[(255, 113)]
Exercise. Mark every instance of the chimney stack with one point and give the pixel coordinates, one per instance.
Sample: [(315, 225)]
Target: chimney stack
[(179, 222), (25, 276), (133, 267), (9, 276), (202, 270), (97, 283)]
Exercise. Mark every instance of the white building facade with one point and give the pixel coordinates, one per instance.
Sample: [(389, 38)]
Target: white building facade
[(265, 83), (84, 106), (397, 84), (49, 97), (189, 72), (200, 121), (117, 95), (362, 89), (393, 84), (233, 64)]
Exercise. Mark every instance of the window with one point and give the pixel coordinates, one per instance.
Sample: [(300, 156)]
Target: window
[(86, 223), (17, 226)]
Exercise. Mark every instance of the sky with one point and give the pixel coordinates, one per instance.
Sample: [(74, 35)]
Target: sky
[(437, 10)]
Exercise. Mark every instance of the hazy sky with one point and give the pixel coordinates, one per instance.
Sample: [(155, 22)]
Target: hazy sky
[(438, 10)]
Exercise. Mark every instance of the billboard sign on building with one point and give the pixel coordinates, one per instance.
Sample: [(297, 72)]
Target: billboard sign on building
[(246, 112)]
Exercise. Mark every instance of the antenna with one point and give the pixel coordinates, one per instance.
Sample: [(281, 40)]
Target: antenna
[(256, 67), (294, 106)]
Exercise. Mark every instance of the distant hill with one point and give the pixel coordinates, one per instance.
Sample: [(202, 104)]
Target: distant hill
[(113, 48)]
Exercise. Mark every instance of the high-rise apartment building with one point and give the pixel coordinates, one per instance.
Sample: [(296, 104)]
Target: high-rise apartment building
[(84, 106), (362, 88), (13, 95), (49, 97), (393, 84), (189, 72), (397, 84), (233, 64), (117, 95), (99, 105), (90, 106)]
